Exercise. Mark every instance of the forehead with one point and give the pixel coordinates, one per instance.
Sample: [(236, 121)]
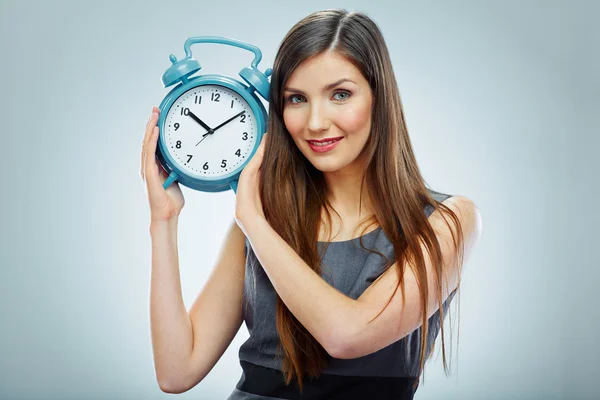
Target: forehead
[(323, 69)]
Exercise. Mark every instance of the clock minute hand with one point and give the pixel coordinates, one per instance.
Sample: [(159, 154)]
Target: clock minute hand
[(211, 131), (229, 120)]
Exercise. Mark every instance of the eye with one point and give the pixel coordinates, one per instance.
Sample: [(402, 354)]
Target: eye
[(345, 95), (290, 99)]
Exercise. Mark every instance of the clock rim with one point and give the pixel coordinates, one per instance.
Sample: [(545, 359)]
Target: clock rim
[(203, 183)]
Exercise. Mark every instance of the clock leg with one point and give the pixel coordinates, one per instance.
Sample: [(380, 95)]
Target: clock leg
[(233, 184), (172, 178)]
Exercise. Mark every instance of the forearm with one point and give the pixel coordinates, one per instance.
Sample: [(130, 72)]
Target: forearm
[(321, 308), (172, 336)]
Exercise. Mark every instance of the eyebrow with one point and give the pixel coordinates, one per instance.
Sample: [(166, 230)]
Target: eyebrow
[(327, 87)]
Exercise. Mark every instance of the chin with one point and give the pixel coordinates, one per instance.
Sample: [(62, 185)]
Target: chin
[(328, 165)]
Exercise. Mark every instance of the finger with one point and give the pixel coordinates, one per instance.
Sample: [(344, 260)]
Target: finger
[(149, 127), (143, 152), (150, 124), (262, 143), (161, 171), (143, 164), (155, 112), (152, 174)]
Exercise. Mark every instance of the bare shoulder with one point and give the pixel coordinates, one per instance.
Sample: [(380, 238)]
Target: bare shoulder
[(468, 214)]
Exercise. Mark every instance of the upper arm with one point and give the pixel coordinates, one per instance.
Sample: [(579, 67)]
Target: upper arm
[(395, 322), (216, 314)]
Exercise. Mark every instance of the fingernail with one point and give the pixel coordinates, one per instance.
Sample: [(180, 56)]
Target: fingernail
[(153, 114)]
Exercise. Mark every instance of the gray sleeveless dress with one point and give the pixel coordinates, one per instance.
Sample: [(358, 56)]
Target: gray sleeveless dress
[(386, 374)]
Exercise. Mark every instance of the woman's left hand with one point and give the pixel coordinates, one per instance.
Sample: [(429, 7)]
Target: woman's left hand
[(247, 199)]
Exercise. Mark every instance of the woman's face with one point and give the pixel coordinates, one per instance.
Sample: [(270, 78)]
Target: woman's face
[(327, 97)]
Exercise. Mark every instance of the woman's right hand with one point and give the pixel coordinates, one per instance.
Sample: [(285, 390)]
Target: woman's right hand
[(164, 204)]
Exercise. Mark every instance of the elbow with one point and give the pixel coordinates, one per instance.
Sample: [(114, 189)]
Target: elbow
[(172, 386), (333, 349), (347, 349), (167, 387), (337, 345), (339, 350), (176, 380), (341, 337)]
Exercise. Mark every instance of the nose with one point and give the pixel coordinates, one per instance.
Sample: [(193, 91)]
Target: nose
[(318, 120)]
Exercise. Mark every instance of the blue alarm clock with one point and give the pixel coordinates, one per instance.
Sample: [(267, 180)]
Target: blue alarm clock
[(210, 126)]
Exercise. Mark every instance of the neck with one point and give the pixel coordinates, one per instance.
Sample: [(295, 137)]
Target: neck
[(344, 193)]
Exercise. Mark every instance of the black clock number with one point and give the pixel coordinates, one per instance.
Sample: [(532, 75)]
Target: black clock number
[(205, 166), (185, 111), (245, 135), (178, 144), (198, 100), (238, 153), (231, 103), (243, 121), (176, 125), (215, 96), (190, 157), (223, 163)]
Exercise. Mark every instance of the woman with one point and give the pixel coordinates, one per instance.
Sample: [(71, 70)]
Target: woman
[(322, 305)]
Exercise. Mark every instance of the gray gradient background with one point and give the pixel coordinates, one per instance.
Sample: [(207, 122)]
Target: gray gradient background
[(499, 98)]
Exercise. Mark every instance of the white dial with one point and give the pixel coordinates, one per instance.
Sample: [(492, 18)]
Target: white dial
[(209, 131)]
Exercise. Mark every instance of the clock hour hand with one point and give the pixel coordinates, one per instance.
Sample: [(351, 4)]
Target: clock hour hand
[(229, 120), (198, 120)]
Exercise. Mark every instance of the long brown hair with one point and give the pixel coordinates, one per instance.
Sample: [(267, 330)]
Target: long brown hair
[(294, 193)]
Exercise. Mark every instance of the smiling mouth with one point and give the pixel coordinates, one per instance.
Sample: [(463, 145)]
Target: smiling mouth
[(321, 144)]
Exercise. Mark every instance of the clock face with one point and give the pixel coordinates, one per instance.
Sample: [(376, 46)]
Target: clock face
[(210, 131)]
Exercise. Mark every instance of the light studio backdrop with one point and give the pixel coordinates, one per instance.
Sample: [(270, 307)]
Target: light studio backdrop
[(499, 98)]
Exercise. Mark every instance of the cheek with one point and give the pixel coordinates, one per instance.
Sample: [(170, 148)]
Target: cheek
[(294, 121), (354, 119)]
